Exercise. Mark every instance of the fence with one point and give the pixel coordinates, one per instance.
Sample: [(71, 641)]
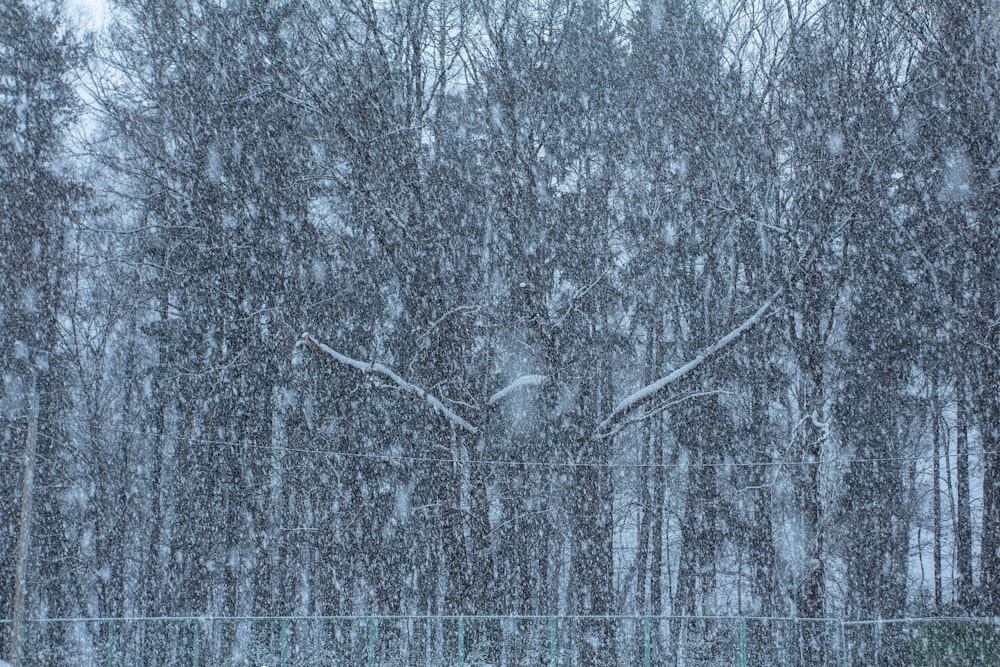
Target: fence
[(497, 641)]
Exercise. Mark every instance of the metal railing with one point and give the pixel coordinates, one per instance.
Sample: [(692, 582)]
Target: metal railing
[(923, 642), (468, 641)]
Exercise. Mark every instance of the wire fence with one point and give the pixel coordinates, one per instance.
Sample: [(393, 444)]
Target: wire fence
[(500, 641)]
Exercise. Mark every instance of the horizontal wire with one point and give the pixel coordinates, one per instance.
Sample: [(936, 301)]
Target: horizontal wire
[(990, 620), (389, 458)]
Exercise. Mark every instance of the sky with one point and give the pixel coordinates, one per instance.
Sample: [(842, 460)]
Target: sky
[(92, 13)]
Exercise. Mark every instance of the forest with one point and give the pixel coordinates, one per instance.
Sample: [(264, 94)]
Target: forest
[(440, 308)]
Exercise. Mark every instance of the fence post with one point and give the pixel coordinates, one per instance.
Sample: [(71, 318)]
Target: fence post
[(743, 643), (842, 646), (646, 647), (461, 641), (371, 642), (111, 644), (552, 642), (284, 642), (25, 645), (197, 643)]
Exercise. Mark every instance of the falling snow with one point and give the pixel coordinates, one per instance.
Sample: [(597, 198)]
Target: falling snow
[(499, 333)]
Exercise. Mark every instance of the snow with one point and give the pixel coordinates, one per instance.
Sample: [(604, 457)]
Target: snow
[(388, 373), (653, 389), (532, 380), (93, 13), (542, 228)]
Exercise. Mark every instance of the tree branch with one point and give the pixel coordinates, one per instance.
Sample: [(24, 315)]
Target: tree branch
[(523, 381), (389, 374), (651, 391)]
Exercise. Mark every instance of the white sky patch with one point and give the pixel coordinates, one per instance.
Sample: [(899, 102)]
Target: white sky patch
[(92, 14)]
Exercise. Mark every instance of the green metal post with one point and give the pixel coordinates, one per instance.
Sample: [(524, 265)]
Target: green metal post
[(111, 643), (646, 646), (461, 641), (25, 644), (197, 644), (284, 642), (743, 643), (842, 649), (552, 642), (371, 642)]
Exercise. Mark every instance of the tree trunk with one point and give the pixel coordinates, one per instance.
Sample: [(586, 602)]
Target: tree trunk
[(936, 499), (593, 499), (810, 592), (657, 512), (592, 567), (763, 561), (24, 529), (989, 427), (646, 512), (963, 522)]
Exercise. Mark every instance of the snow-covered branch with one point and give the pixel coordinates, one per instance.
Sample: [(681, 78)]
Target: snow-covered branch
[(523, 381), (651, 391), (625, 409), (637, 416), (389, 374)]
